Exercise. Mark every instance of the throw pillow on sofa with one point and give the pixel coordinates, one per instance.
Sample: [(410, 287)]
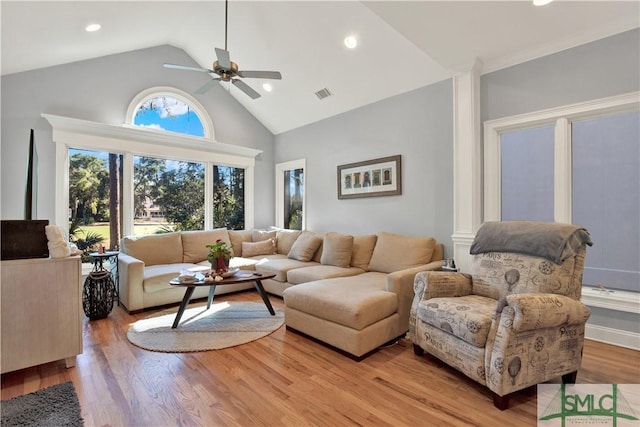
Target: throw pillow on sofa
[(264, 247), (394, 252), (285, 239), (145, 248), (260, 235), (305, 246), (237, 237), (194, 243), (362, 250), (336, 249)]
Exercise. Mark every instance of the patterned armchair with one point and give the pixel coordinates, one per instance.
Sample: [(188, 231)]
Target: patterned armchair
[(517, 319)]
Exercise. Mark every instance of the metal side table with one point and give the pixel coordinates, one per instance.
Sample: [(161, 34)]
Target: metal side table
[(99, 288)]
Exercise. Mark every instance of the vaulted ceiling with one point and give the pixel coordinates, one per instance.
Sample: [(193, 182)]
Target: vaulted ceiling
[(401, 45)]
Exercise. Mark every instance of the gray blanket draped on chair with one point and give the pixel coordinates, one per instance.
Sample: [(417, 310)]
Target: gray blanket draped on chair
[(553, 241)]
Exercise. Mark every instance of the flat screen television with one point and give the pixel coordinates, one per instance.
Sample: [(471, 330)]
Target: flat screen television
[(24, 239)]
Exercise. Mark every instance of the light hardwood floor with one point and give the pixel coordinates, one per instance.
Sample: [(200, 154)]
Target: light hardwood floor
[(285, 380)]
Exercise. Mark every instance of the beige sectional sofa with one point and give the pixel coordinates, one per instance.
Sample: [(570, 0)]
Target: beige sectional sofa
[(351, 292), (359, 313)]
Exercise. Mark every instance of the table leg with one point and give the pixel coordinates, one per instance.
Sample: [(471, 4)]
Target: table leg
[(258, 284), (183, 305), (212, 290)]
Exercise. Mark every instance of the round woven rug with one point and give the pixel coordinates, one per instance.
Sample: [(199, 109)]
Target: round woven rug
[(225, 324)]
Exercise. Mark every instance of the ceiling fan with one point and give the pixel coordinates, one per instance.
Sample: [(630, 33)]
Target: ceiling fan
[(227, 70)]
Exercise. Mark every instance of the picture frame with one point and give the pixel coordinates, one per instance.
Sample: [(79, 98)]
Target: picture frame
[(370, 178)]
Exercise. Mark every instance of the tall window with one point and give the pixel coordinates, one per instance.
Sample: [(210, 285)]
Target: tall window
[(527, 174), (591, 152), (170, 183), (606, 195), (168, 195), (290, 195), (228, 197), (95, 199)]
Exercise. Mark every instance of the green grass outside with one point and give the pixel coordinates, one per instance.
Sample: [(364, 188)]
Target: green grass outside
[(102, 229)]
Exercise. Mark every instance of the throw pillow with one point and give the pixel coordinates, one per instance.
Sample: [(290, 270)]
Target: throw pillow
[(305, 246), (154, 249), (194, 243), (264, 247), (285, 239), (336, 249), (394, 252), (260, 235), (362, 250), (237, 237)]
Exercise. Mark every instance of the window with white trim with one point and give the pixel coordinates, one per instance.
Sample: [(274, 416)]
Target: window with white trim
[(594, 165), (200, 156), (290, 195)]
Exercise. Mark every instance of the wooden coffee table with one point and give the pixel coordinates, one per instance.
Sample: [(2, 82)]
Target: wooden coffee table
[(242, 276)]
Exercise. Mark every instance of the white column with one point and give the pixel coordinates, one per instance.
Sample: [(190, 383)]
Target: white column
[(467, 163)]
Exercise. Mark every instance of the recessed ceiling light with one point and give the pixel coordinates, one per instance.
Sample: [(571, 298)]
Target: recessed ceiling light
[(541, 2), (267, 87), (92, 27), (351, 42)]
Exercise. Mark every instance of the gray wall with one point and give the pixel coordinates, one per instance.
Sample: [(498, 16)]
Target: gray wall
[(417, 125), (100, 90), (603, 68)]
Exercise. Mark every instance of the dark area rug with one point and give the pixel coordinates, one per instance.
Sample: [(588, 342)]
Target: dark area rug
[(52, 406)]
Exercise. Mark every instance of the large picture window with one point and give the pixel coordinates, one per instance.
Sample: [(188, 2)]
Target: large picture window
[(118, 181), (593, 159)]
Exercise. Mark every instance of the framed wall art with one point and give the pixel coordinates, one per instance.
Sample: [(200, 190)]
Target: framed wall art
[(371, 178)]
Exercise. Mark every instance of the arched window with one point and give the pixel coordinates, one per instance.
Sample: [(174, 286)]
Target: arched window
[(171, 110)]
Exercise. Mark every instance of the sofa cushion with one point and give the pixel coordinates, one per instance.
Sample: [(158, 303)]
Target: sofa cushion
[(153, 249), (281, 266), (156, 277), (356, 305), (394, 252), (336, 249), (318, 272), (468, 317), (285, 239), (237, 237), (362, 250), (194, 243), (317, 257), (264, 247), (305, 246), (260, 235)]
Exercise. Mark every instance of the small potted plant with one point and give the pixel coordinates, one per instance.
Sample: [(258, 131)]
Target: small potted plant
[(219, 256)]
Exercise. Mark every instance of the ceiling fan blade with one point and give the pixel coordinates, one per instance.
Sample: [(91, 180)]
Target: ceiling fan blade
[(207, 86), (245, 88), (223, 58), (261, 74), (184, 67)]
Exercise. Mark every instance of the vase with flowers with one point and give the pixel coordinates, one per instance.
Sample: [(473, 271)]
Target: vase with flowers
[(219, 256)]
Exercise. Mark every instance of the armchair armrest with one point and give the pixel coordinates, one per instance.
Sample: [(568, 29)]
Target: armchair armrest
[(539, 311), (130, 276), (401, 284), (533, 338), (433, 284), (441, 284)]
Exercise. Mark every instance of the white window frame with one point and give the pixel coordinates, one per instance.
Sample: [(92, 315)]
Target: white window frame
[(170, 92), (561, 119), (280, 170), (136, 140)]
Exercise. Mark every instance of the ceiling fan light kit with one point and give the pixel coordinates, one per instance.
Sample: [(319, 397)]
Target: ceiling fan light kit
[(227, 70)]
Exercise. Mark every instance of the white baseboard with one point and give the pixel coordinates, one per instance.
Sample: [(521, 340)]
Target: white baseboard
[(613, 336)]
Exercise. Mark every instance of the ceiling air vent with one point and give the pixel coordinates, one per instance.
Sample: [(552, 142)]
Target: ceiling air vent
[(323, 93)]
